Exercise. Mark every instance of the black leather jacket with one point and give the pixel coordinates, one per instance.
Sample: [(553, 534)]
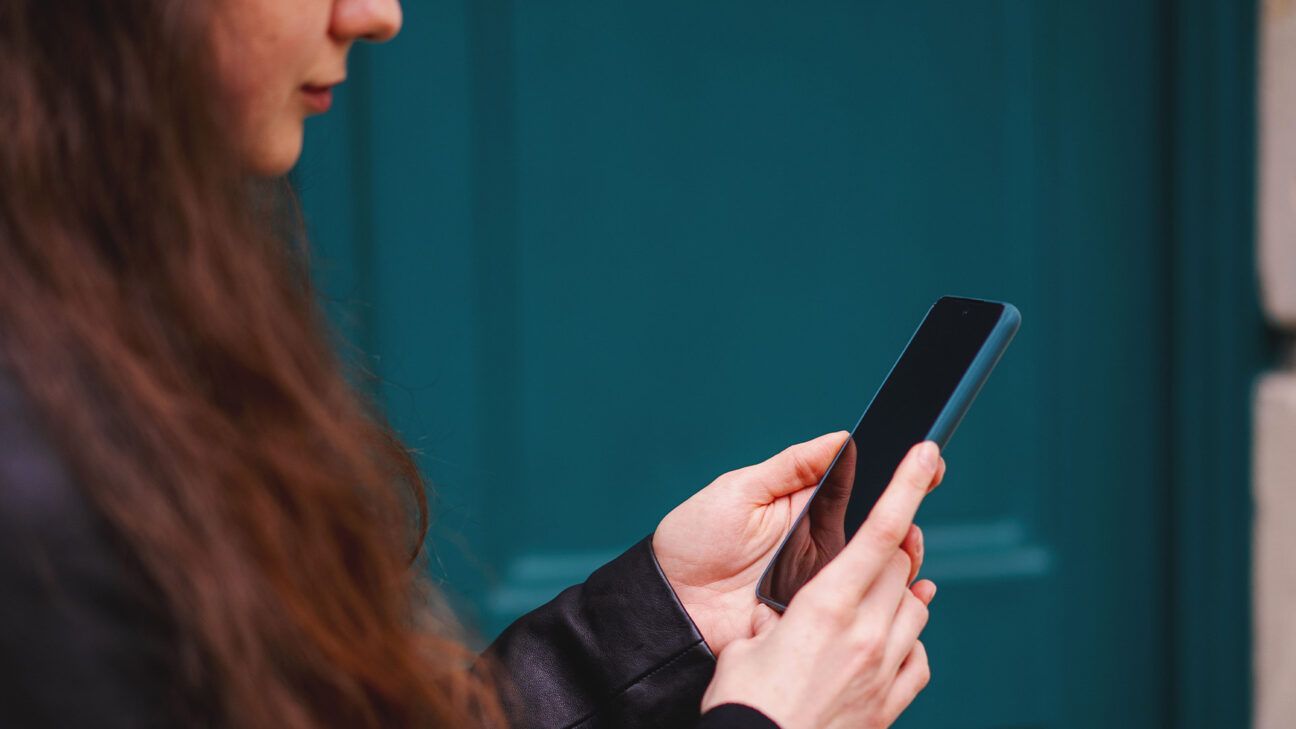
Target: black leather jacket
[(616, 651), (80, 647)]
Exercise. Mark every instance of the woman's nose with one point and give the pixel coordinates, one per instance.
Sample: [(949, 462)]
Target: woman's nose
[(372, 20)]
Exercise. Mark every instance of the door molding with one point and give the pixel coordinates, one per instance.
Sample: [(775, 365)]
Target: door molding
[(1219, 345)]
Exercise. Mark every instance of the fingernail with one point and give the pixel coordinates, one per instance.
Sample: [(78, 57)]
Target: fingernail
[(933, 596), (920, 538), (927, 455)]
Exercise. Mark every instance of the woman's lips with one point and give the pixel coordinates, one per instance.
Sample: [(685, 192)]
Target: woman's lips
[(318, 98)]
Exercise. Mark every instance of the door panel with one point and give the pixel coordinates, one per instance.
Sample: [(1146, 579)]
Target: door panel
[(607, 251)]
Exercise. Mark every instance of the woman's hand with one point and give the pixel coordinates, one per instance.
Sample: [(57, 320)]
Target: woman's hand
[(713, 547), (846, 651)]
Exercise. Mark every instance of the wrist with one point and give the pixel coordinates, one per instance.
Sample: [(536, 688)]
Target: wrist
[(694, 611)]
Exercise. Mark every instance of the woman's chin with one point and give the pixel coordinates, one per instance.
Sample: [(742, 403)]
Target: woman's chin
[(276, 156)]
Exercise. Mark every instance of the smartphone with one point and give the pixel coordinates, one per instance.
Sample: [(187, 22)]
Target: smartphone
[(926, 395)]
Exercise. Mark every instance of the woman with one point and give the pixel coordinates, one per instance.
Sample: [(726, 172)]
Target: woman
[(203, 524)]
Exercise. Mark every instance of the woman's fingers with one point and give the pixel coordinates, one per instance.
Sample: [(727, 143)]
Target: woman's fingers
[(868, 552), (913, 546), (828, 509), (885, 596), (914, 675), (910, 619), (862, 612), (763, 620), (794, 468), (924, 590)]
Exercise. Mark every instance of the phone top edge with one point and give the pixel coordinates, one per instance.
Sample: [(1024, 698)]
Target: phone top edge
[(1011, 316), (972, 300)]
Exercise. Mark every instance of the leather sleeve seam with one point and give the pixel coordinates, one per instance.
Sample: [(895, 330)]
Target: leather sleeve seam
[(637, 679)]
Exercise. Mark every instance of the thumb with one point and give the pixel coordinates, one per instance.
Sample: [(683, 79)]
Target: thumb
[(763, 620), (796, 467)]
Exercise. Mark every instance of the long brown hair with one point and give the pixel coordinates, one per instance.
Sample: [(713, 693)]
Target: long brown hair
[(172, 342)]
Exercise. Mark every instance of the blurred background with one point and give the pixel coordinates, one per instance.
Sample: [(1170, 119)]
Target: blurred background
[(598, 253)]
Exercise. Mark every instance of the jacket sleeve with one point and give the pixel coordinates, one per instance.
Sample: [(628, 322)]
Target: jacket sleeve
[(81, 642), (617, 651), (736, 716)]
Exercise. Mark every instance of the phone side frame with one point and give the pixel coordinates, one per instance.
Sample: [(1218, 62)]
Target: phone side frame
[(976, 376), (960, 401)]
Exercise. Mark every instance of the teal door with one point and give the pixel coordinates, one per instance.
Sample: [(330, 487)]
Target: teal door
[(601, 252)]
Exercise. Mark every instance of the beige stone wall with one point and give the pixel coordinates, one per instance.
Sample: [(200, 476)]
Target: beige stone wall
[(1275, 406), (1277, 161), (1275, 552)]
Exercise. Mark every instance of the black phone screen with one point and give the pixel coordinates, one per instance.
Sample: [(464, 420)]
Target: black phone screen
[(901, 415)]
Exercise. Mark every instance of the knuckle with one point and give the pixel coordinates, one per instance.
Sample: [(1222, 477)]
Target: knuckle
[(887, 530), (914, 482), (924, 675), (917, 479), (802, 468), (826, 605), (920, 610), (922, 665), (869, 643), (901, 561), (737, 651)]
